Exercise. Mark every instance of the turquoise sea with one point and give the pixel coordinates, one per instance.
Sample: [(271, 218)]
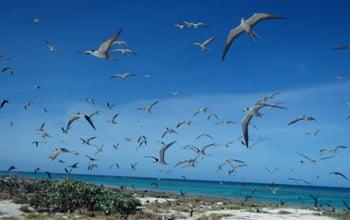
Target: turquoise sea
[(293, 195)]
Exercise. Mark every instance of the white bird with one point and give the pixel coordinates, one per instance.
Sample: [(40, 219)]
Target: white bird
[(80, 116), (161, 158), (246, 26), (120, 43), (251, 112), (184, 122), (194, 25), (180, 26), (123, 75), (102, 51), (149, 107), (204, 45), (124, 51), (174, 93), (51, 47), (36, 20)]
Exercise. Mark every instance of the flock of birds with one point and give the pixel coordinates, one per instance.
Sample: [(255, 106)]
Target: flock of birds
[(233, 165)]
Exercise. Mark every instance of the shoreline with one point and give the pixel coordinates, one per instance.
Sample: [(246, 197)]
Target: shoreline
[(165, 205)]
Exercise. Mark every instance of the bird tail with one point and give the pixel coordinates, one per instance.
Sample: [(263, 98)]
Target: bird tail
[(254, 35)]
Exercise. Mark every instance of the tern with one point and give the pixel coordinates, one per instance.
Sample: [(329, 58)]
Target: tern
[(9, 70), (180, 26), (271, 172), (302, 118), (87, 140), (114, 119), (168, 131), (51, 47), (185, 122), (339, 174), (36, 143), (201, 151), (161, 158), (11, 168), (346, 46), (58, 151), (110, 105), (149, 107), (133, 166), (201, 110), (333, 149), (80, 116), (251, 112), (36, 20), (102, 51), (114, 165), (194, 25), (90, 158), (41, 132), (120, 43), (124, 51), (123, 75), (204, 135), (3, 102), (204, 45), (246, 26), (299, 181), (174, 93), (188, 163), (116, 146), (27, 105)]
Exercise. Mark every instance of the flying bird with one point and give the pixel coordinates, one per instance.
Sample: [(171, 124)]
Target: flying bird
[(9, 70), (346, 46), (246, 26), (123, 75), (3, 102), (339, 174), (27, 105), (102, 51), (80, 116), (41, 132), (161, 159), (251, 112), (149, 107), (114, 119), (194, 25), (185, 122), (11, 168), (204, 45), (302, 118), (201, 110), (110, 105), (168, 131), (333, 149), (87, 140), (51, 47), (58, 151), (124, 51)]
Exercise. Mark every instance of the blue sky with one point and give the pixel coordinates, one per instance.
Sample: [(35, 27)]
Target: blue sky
[(293, 56)]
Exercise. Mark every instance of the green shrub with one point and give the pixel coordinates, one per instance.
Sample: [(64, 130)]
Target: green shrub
[(68, 195)]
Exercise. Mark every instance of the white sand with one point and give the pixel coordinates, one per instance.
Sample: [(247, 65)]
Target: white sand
[(146, 200), (10, 209), (271, 214)]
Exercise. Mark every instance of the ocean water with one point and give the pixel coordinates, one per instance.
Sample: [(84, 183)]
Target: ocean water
[(293, 195)]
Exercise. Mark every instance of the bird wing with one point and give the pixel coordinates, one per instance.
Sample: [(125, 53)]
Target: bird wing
[(208, 41), (234, 33), (152, 105), (294, 121), (257, 17), (163, 149), (105, 46), (245, 125), (304, 156), (72, 119), (42, 126), (88, 119), (339, 174)]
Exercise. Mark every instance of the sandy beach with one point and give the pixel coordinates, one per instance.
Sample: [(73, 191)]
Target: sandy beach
[(154, 206)]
